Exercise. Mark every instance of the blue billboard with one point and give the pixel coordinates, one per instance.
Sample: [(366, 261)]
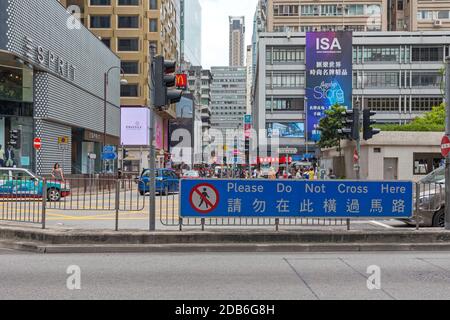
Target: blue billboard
[(301, 199), (328, 75)]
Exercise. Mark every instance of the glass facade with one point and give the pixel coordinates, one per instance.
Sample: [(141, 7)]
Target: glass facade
[(191, 31), (16, 117)]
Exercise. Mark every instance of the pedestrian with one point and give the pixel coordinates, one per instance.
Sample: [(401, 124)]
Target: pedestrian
[(57, 173), (311, 174), (331, 175), (2, 156), (9, 157)]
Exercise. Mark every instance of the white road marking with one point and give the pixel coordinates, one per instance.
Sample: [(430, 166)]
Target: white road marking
[(382, 224)]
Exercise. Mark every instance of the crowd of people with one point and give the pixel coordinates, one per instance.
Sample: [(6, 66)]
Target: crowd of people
[(230, 172)]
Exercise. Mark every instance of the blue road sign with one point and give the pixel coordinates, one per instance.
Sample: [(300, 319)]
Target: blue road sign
[(109, 149), (309, 199), (109, 156)]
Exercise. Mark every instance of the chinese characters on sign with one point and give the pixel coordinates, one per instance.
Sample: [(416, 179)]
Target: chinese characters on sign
[(328, 75), (333, 199)]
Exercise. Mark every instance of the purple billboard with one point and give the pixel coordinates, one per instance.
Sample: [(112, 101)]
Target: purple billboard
[(328, 75)]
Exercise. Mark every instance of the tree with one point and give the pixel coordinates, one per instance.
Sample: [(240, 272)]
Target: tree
[(432, 121), (329, 126)]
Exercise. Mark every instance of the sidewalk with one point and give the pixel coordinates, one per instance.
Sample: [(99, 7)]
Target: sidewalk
[(224, 240)]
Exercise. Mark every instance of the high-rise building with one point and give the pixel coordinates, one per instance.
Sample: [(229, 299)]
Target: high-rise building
[(376, 15), (397, 75), (228, 101), (237, 41), (301, 16), (191, 32), (129, 28), (199, 81)]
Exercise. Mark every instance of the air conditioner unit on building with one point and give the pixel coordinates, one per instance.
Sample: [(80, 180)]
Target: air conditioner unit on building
[(437, 23)]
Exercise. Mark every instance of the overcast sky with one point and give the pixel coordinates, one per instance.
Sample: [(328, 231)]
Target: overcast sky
[(215, 28)]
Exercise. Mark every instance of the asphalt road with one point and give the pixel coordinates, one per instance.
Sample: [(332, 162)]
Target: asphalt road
[(226, 276)]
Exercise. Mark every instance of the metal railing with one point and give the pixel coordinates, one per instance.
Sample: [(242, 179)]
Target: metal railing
[(96, 194), (22, 199), (28, 200)]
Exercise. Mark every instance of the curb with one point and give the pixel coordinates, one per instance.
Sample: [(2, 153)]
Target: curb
[(220, 248)]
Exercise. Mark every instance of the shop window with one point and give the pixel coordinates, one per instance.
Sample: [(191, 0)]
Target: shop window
[(425, 163)]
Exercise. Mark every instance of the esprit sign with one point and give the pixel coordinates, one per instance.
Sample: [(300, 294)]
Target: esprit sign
[(49, 59)]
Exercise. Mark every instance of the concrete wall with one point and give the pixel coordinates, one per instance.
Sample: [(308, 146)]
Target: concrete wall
[(400, 145)]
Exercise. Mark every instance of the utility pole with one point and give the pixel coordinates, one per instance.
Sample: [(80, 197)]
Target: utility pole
[(358, 140), (152, 164), (306, 124), (447, 132)]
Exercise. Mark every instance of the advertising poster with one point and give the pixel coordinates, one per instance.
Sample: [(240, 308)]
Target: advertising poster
[(328, 75), (134, 126), (286, 130)]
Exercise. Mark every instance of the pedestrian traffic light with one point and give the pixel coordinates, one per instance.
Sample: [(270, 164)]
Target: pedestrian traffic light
[(124, 153), (164, 79), (350, 125), (368, 131), (14, 138)]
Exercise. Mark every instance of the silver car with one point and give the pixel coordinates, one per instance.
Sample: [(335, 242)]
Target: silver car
[(431, 206)]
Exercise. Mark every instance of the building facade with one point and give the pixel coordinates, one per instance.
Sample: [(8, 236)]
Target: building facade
[(129, 28), (407, 156), (323, 15), (191, 32), (378, 15), (396, 74), (229, 103), (237, 41), (52, 87)]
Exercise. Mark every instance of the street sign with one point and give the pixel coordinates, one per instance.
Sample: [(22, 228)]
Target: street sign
[(63, 140), (301, 199), (445, 146), (109, 149), (203, 198), (109, 156), (37, 143), (287, 150)]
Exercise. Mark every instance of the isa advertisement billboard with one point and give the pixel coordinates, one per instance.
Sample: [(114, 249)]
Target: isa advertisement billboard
[(328, 75), (134, 126)]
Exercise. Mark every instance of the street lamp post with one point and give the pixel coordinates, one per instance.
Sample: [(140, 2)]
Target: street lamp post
[(105, 100)]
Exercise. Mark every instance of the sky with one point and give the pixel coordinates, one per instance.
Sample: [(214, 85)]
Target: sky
[(215, 28)]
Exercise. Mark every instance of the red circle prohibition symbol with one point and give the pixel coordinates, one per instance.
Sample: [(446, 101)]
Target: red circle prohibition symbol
[(204, 199)]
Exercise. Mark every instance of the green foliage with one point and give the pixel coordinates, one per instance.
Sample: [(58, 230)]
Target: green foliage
[(329, 126), (433, 121)]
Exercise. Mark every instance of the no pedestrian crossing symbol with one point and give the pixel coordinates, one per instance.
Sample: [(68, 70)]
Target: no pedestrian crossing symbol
[(204, 198), (302, 199)]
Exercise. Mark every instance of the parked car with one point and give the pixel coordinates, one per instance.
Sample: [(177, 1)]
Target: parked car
[(167, 181), (191, 174), (431, 200), (16, 182)]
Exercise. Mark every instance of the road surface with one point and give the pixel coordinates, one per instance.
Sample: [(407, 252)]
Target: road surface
[(226, 276)]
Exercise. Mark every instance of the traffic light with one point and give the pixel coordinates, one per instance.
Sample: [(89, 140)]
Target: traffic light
[(164, 79), (124, 153), (14, 138), (368, 131), (350, 129)]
